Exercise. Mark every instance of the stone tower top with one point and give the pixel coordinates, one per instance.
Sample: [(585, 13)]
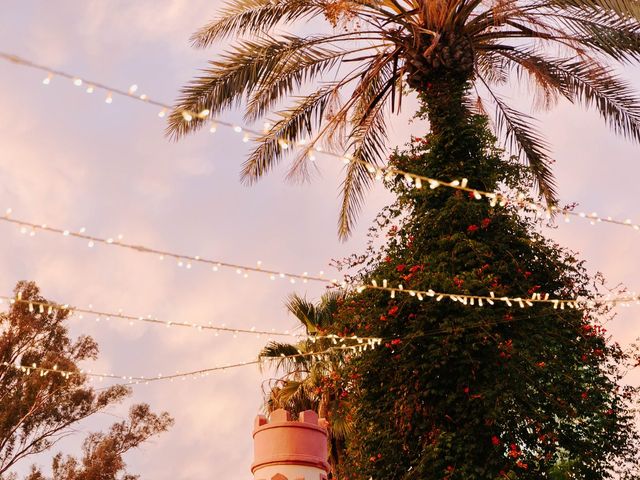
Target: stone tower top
[(288, 449)]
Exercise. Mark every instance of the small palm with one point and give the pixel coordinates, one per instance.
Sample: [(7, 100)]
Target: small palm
[(304, 383)]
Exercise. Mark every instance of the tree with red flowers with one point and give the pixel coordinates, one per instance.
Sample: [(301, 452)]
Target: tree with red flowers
[(459, 391)]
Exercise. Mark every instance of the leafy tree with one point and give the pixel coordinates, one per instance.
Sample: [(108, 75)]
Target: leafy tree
[(448, 51), (37, 409), (461, 391), (309, 383)]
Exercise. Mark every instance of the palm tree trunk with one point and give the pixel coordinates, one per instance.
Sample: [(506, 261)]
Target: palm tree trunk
[(457, 149)]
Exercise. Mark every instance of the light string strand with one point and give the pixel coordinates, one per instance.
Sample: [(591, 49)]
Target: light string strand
[(162, 254), (494, 198), (378, 172), (465, 299), (110, 91), (66, 374), (49, 308), (492, 299)]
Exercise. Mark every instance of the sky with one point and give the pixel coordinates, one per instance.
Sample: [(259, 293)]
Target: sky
[(68, 159)]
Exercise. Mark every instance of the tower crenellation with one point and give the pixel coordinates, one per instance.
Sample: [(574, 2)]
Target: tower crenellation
[(290, 449)]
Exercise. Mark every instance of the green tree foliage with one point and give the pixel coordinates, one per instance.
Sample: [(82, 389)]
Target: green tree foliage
[(564, 48), (460, 391), (38, 410)]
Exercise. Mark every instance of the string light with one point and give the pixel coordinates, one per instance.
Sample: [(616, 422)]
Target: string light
[(182, 260), (388, 172), (492, 299), (243, 270), (66, 374), (494, 198), (51, 308)]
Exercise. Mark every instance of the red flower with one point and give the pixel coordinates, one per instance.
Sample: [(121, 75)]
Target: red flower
[(383, 318), (485, 222), (393, 310), (514, 451), (495, 440), (387, 259), (396, 341), (400, 268), (472, 228), (416, 268), (534, 289), (584, 395)]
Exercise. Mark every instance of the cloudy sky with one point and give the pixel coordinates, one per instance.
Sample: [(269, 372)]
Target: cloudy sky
[(68, 159)]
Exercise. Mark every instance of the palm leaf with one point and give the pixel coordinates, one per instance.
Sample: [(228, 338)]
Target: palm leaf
[(250, 66), (627, 9), (252, 17), (367, 140), (527, 141), (304, 311), (606, 33), (590, 84), (296, 123), (282, 355)]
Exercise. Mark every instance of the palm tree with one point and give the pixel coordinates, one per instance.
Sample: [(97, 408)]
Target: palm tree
[(308, 381), (454, 53)]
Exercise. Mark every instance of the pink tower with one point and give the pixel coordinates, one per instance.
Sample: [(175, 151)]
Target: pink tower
[(286, 449)]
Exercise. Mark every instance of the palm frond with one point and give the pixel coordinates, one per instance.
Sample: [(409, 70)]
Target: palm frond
[(293, 72), (295, 123), (253, 17), (294, 396), (525, 139), (604, 32), (367, 140), (303, 310), (246, 69), (282, 355), (627, 9), (590, 84)]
